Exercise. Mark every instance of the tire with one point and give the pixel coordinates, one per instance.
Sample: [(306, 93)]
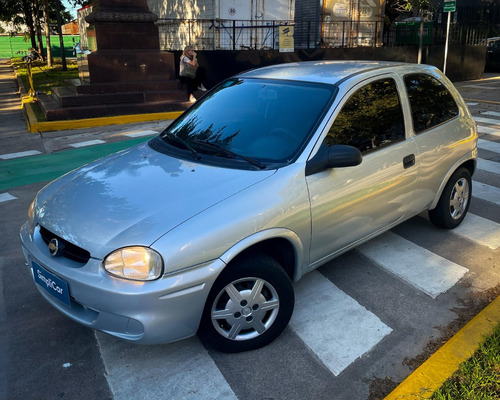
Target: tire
[(248, 307), (454, 201)]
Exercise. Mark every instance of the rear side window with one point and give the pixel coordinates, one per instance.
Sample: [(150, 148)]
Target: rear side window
[(431, 103), (370, 119)]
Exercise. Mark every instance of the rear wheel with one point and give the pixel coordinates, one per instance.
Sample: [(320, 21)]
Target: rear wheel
[(249, 305), (454, 202)]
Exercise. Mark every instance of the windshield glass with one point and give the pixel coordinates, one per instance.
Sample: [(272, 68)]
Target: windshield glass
[(268, 121)]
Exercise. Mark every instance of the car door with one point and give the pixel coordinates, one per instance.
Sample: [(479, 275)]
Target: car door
[(440, 130), (352, 203)]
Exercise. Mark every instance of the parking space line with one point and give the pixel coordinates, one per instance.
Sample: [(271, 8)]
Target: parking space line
[(345, 331), (471, 104), (489, 131), (20, 154), (480, 230), (486, 192), (416, 265), (180, 370), (6, 197), (87, 143), (487, 165), (492, 113), (141, 134), (488, 145)]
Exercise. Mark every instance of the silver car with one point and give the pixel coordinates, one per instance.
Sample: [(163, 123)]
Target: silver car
[(273, 173)]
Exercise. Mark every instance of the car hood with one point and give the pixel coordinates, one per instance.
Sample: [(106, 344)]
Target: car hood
[(134, 197)]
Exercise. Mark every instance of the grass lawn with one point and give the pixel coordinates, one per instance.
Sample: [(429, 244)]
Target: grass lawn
[(477, 378), (45, 78)]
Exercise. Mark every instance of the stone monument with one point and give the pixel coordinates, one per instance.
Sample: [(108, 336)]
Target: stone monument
[(127, 71), (123, 39)]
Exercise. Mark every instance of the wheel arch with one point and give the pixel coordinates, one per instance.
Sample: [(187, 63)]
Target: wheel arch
[(283, 245), (469, 164)]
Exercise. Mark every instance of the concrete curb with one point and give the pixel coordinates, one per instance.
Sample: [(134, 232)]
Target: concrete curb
[(34, 126), (431, 375), (483, 101)]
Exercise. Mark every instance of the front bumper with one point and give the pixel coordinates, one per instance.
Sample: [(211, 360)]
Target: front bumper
[(160, 311)]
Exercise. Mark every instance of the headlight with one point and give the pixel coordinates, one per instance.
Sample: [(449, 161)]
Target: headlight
[(134, 263), (31, 213)]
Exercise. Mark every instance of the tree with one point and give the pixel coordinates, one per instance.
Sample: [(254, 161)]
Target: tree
[(411, 5), (32, 14)]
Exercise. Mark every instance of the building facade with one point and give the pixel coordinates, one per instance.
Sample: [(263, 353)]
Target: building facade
[(254, 24)]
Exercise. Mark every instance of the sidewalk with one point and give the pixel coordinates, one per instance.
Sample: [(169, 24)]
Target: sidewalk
[(20, 132), (16, 138)]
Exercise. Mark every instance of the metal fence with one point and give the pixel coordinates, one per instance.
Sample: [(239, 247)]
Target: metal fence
[(17, 46), (264, 35), (219, 34)]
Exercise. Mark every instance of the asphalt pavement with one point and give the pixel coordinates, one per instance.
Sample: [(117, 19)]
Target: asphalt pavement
[(17, 142)]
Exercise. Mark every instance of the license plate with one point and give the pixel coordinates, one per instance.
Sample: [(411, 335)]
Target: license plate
[(51, 283)]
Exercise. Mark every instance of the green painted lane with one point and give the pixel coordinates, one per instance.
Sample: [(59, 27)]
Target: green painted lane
[(46, 167)]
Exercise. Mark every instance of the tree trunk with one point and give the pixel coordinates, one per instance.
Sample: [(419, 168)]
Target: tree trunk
[(61, 39), (50, 59), (28, 13), (38, 29)]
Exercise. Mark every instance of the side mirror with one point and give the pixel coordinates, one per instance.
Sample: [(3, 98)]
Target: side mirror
[(336, 156)]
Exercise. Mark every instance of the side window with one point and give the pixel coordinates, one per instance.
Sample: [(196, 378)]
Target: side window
[(371, 118), (431, 103)]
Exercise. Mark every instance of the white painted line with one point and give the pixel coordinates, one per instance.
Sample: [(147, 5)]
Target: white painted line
[(87, 143), (345, 330), (480, 230), (181, 370), (480, 87), (486, 192), (472, 104), (141, 134), (492, 113), (6, 197), (416, 265), (20, 154), (487, 165), (489, 131), (489, 121), (488, 145)]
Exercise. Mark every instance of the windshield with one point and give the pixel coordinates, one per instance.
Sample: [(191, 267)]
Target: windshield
[(252, 120)]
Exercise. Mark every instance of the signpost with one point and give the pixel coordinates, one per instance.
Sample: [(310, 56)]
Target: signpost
[(449, 7)]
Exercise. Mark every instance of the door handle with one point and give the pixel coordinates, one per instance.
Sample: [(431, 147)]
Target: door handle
[(409, 161)]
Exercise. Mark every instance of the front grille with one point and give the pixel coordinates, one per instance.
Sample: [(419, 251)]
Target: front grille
[(69, 250)]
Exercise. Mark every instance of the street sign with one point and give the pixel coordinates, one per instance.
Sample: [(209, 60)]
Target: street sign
[(450, 6)]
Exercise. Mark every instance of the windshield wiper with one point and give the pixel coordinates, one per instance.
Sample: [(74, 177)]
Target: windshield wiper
[(180, 140), (229, 152)]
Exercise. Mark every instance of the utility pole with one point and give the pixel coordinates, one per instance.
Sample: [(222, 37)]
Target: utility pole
[(449, 7)]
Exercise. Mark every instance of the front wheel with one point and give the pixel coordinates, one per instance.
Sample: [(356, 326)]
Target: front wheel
[(454, 202), (249, 305)]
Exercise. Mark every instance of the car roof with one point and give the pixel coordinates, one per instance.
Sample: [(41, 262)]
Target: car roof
[(323, 71)]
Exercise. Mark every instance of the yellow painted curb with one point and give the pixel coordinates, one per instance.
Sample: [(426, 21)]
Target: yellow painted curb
[(483, 101), (431, 375), (34, 126), (29, 115)]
